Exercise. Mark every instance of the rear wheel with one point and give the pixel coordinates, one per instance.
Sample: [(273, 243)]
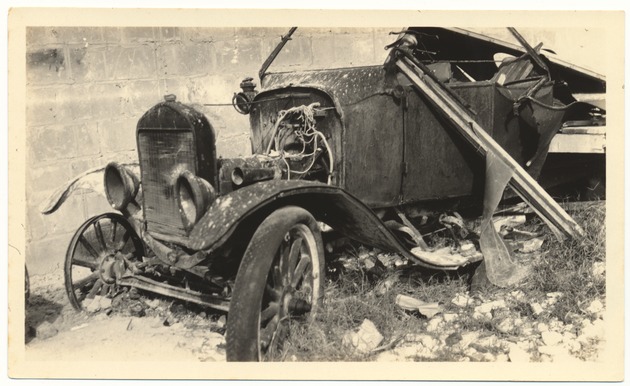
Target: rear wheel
[(280, 280), (98, 253)]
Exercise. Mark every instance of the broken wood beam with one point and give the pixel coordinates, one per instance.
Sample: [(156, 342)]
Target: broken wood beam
[(560, 223)]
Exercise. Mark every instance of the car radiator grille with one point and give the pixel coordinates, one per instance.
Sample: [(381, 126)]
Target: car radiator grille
[(163, 156)]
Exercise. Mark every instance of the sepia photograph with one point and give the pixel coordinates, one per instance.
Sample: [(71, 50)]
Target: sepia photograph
[(425, 192)]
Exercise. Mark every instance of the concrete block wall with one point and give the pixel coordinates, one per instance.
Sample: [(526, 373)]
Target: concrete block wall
[(87, 87)]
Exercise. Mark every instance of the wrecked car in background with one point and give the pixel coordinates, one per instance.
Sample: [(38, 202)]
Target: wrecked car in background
[(448, 121)]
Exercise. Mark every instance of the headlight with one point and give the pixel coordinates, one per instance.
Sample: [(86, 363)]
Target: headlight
[(194, 197), (121, 185)]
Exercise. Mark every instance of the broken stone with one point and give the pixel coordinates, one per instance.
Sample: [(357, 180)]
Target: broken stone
[(599, 269), (462, 300), (519, 296), (221, 321), (412, 304), (517, 354), (502, 223), (506, 326), (46, 330), (79, 327), (542, 327), (537, 309), (170, 320), (386, 285), (551, 338), (153, 303), (487, 308), (366, 339), (134, 294), (448, 318), (468, 338), (532, 245), (92, 305), (105, 303), (453, 339), (435, 323), (591, 331), (595, 307)]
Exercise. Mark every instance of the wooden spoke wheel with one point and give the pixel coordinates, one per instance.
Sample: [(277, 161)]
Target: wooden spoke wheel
[(280, 280), (98, 254)]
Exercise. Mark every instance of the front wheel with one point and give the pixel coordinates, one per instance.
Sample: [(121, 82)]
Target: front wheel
[(280, 279)]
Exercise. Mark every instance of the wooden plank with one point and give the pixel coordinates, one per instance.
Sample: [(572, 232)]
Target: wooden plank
[(522, 183), (578, 143)]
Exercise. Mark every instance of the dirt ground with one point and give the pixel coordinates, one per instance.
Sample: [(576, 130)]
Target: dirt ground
[(141, 329)]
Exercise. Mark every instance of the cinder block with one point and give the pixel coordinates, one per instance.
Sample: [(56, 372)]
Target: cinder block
[(87, 63), (47, 254), (41, 106), (169, 33), (96, 204), (271, 33), (185, 59), (354, 49), (73, 103), (67, 218), (323, 50), (139, 34), (112, 35), (109, 100), (248, 54), (117, 136), (137, 62), (84, 35), (296, 54), (44, 178), (194, 34), (51, 143), (141, 95), (46, 65), (86, 139)]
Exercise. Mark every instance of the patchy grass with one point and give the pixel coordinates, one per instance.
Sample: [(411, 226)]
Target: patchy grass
[(353, 296)]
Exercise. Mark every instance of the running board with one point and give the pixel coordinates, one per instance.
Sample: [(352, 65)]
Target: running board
[(172, 291), (522, 183)]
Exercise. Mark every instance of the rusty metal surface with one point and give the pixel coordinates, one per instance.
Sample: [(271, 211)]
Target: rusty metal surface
[(329, 204), (347, 85), (172, 138)]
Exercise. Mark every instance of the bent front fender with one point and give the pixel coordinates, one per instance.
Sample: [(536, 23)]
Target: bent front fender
[(90, 180), (329, 204)]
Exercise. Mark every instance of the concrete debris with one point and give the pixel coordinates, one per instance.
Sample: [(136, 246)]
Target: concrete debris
[(462, 300), (532, 245), (551, 338), (153, 303), (517, 354), (599, 270), (453, 339), (488, 307), (596, 307), (537, 309), (75, 328), (553, 297), (412, 304), (506, 326), (441, 256), (503, 224), (542, 327), (519, 296), (448, 318), (468, 338), (46, 330), (435, 324), (366, 339), (222, 321), (592, 331)]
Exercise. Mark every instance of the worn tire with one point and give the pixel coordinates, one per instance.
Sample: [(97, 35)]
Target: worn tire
[(272, 244)]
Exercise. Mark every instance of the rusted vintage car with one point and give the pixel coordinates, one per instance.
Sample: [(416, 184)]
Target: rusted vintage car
[(361, 151)]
